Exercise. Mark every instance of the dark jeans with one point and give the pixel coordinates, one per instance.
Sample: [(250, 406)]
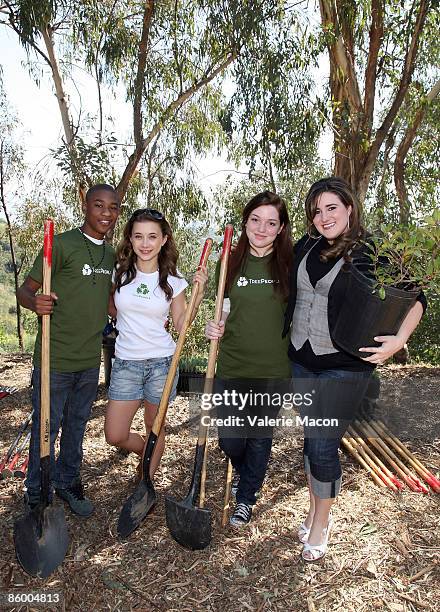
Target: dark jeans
[(339, 394), (249, 457), (248, 448), (71, 397)]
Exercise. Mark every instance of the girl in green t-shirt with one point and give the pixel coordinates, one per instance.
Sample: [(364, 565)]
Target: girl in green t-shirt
[(253, 355)]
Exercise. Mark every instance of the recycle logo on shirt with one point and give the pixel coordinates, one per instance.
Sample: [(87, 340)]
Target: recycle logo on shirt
[(87, 270), (242, 281), (143, 289)]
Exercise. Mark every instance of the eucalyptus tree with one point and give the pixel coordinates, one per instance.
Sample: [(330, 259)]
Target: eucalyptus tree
[(274, 118), (168, 57), (375, 47)]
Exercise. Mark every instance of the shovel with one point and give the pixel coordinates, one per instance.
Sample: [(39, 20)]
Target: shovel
[(189, 525), (143, 499), (40, 536)]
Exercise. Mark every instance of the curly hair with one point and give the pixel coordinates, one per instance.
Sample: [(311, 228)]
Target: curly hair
[(355, 232), (281, 259), (126, 257)]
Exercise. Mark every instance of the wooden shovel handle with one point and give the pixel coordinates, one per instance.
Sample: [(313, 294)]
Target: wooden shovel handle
[(227, 496), (163, 405), (213, 348), (45, 345), (227, 241)]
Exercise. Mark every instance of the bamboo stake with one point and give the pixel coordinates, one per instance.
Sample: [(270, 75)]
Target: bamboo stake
[(428, 476), (372, 426), (386, 452), (362, 460), (361, 442)]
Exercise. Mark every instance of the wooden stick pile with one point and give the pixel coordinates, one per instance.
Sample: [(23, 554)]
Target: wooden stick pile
[(392, 451)]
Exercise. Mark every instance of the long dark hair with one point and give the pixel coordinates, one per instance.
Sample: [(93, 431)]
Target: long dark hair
[(356, 232), (126, 257), (281, 259)]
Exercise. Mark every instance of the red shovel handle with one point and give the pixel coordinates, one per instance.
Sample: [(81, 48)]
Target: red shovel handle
[(227, 240), (45, 344), (205, 253), (48, 242)]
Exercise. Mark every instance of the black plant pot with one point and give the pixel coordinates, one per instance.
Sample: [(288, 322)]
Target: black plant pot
[(364, 315), (108, 352), (190, 382)]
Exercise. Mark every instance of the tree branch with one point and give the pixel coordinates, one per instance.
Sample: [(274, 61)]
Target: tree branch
[(376, 36), (140, 75), (402, 152), (341, 57), (96, 66), (381, 134), (171, 110), (82, 180)]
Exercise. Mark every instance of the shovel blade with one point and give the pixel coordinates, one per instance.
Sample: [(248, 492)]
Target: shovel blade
[(41, 545), (136, 508), (189, 526)]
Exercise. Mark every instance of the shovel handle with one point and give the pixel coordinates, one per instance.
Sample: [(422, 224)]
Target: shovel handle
[(45, 345), (227, 494), (190, 310), (213, 348)]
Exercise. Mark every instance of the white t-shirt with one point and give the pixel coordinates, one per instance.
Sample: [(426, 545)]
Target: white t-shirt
[(142, 311)]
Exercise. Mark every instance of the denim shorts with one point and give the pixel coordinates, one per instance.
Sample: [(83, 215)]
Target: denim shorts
[(140, 379)]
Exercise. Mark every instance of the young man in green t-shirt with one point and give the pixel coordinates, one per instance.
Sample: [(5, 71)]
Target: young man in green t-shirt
[(82, 265)]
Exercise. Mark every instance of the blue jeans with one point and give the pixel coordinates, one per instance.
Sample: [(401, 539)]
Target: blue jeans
[(321, 456), (71, 397)]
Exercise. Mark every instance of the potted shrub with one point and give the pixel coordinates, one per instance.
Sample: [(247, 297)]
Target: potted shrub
[(405, 260), (192, 375)]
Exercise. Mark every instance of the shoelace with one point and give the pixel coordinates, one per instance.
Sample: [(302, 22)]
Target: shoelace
[(242, 511), (77, 490)]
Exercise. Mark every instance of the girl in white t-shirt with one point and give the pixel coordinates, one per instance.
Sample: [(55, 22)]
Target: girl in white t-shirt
[(147, 287)]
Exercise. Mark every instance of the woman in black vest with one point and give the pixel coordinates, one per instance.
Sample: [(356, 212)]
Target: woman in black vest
[(336, 379)]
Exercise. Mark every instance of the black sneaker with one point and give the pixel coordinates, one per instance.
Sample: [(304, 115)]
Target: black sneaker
[(74, 496), (234, 484), (31, 501), (242, 515)]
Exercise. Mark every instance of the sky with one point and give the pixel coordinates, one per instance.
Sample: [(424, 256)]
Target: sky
[(39, 118)]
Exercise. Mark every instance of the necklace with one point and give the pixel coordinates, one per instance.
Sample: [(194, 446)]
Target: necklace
[(92, 261)]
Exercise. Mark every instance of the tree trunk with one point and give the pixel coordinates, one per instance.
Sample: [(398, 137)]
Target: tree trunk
[(357, 145), (13, 258)]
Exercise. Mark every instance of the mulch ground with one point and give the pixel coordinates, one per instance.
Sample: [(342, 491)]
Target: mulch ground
[(383, 555)]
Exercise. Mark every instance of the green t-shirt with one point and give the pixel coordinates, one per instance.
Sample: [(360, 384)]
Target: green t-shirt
[(80, 313), (252, 346)]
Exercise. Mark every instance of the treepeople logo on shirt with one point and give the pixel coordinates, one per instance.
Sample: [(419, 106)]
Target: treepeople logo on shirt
[(87, 270), (243, 281), (142, 290)]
